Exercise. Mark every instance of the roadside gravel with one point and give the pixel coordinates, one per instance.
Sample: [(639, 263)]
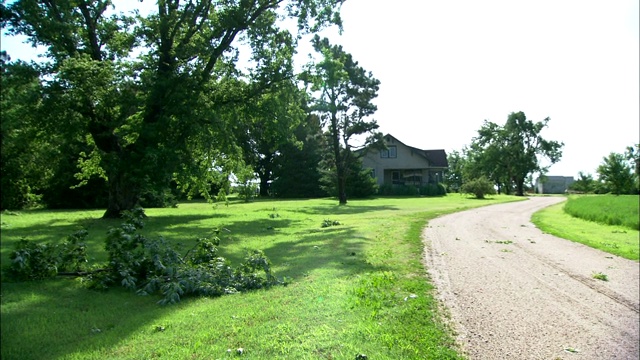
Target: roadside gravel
[(513, 292)]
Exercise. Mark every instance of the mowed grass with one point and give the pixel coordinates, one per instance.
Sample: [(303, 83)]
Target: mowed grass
[(615, 239), (606, 209), (356, 288)]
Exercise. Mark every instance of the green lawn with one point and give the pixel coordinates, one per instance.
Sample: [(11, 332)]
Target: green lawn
[(357, 288), (621, 240)]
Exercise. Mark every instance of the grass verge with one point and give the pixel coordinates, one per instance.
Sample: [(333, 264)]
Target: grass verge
[(359, 286), (614, 239), (620, 210)]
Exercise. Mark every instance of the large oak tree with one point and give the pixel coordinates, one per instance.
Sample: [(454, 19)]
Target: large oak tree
[(155, 94)]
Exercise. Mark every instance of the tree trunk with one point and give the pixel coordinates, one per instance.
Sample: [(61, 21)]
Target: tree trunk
[(264, 184), (123, 195), (342, 193), (340, 163), (520, 187)]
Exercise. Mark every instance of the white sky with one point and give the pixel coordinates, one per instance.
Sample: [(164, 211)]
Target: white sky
[(445, 66)]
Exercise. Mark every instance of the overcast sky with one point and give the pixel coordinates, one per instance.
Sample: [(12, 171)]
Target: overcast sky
[(445, 66)]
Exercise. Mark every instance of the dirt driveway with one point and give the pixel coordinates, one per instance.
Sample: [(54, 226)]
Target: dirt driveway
[(516, 293)]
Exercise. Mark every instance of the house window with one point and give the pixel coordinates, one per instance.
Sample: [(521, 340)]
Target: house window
[(391, 152), (413, 177), (373, 173), (396, 179)]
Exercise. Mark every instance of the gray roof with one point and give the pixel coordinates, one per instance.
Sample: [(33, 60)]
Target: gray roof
[(437, 158)]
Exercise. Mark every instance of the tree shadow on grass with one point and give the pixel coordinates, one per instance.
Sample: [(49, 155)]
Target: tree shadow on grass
[(344, 210), (57, 230), (56, 318), (339, 249)]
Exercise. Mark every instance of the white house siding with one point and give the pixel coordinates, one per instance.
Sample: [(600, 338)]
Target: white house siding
[(407, 161)]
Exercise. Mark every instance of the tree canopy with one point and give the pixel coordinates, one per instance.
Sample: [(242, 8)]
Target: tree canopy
[(344, 92), (508, 154), (155, 99), (618, 172)]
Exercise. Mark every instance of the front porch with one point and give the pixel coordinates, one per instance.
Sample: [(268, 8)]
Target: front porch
[(412, 177)]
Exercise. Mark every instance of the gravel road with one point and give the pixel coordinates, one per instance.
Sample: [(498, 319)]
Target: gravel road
[(513, 292)]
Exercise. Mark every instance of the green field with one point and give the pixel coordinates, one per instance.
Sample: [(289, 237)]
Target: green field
[(606, 209), (357, 288), (593, 225)]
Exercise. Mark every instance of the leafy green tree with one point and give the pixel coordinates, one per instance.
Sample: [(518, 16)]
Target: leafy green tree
[(40, 145), (483, 157), (24, 159), (509, 154), (269, 125), (297, 173), (156, 95), (632, 153), (585, 183), (617, 174), (246, 186), (344, 95), (454, 176), (360, 184)]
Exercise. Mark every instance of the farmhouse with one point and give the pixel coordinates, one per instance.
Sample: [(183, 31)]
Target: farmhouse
[(401, 164)]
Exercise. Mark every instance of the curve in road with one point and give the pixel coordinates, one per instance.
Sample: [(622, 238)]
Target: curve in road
[(513, 292)]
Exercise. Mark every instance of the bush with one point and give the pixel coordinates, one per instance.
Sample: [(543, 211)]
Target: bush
[(158, 198), (398, 190), (478, 187), (433, 190), (359, 183), (410, 190), (247, 191)]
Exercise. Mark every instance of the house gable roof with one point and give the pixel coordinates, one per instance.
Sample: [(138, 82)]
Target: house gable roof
[(437, 158)]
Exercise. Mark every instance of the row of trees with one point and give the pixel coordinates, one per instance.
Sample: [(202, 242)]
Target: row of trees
[(619, 173), (126, 109), (506, 158), (503, 156)]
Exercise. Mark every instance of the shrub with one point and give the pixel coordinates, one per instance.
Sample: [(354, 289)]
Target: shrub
[(247, 191), (158, 198), (399, 190), (478, 187), (409, 190), (359, 183), (433, 190)]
